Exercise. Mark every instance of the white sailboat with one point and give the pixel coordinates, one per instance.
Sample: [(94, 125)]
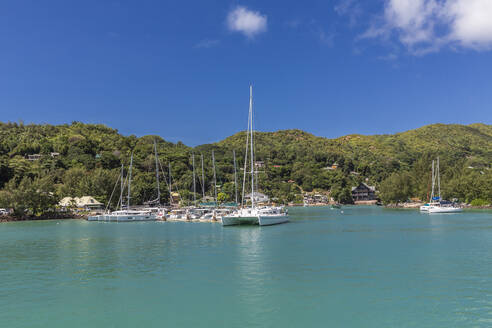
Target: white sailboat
[(434, 201), (437, 205), (266, 215), (125, 215)]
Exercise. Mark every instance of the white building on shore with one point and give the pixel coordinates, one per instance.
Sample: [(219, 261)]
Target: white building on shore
[(84, 203)]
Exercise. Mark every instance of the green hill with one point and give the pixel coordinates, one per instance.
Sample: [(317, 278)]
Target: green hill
[(85, 159)]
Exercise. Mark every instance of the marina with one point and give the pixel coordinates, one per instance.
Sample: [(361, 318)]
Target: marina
[(253, 213)]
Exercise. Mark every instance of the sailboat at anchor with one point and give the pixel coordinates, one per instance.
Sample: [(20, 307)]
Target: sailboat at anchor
[(254, 214)]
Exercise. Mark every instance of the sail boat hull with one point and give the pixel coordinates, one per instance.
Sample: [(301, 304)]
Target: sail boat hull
[(445, 209), (238, 220), (272, 219), (127, 217)]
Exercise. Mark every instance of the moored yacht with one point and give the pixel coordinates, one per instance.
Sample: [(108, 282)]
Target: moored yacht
[(254, 214), (434, 201), (178, 215), (437, 205), (445, 209), (125, 215)]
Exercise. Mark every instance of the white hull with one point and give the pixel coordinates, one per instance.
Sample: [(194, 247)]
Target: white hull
[(237, 220), (427, 207), (124, 216), (258, 216), (273, 219), (178, 219), (127, 218), (445, 209)]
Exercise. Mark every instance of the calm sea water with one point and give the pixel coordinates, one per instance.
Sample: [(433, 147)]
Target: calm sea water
[(365, 267)]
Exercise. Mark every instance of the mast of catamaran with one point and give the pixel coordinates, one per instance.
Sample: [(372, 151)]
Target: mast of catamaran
[(157, 174), (235, 174), (251, 140), (203, 179), (215, 178), (194, 183), (129, 182)]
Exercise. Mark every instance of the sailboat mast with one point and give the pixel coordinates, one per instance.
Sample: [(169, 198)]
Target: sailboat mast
[(194, 183), (157, 174), (129, 182), (215, 177), (433, 182), (235, 174), (251, 140), (121, 188), (245, 164), (438, 179), (170, 188), (203, 179)]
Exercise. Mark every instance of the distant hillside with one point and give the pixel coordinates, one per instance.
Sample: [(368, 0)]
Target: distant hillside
[(85, 159), (375, 158)]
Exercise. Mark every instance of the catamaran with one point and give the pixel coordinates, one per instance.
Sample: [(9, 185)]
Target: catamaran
[(256, 215)]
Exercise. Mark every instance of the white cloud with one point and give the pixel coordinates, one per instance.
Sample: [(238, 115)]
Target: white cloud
[(246, 21), (425, 26), (472, 22)]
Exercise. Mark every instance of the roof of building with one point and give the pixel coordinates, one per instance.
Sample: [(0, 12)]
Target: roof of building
[(79, 201), (372, 188)]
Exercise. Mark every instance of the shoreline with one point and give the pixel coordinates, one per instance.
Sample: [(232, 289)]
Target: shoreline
[(417, 206), (10, 218)]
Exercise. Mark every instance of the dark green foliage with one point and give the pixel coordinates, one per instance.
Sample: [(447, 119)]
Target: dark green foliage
[(397, 188)]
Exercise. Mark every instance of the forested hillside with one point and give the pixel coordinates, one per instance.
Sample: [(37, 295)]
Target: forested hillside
[(85, 159)]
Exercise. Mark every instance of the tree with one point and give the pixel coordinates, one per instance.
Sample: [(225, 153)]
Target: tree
[(34, 197), (222, 197), (396, 188)]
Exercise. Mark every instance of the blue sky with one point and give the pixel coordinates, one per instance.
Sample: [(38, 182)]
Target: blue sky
[(181, 69)]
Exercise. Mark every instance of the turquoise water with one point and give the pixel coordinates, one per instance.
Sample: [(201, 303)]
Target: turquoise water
[(365, 267)]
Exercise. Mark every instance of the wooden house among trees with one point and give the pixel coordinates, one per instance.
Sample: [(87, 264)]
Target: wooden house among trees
[(363, 192)]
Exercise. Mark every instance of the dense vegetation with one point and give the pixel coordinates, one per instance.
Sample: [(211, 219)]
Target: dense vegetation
[(90, 159)]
